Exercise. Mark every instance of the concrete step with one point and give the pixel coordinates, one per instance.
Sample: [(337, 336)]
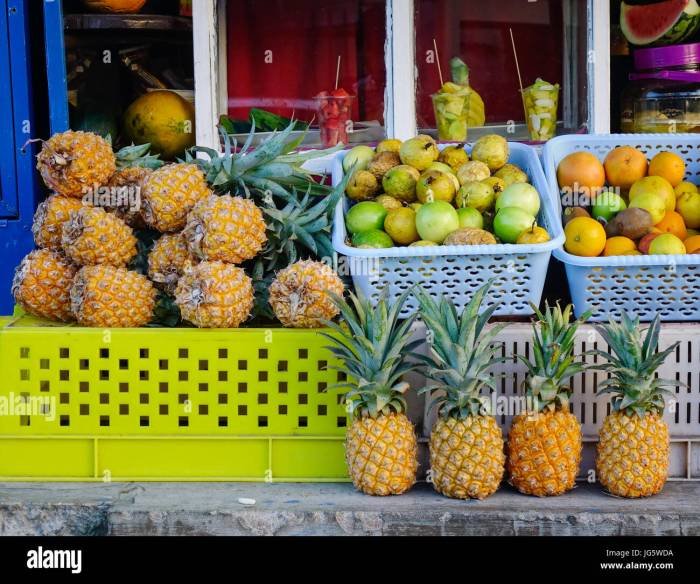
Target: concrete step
[(332, 509)]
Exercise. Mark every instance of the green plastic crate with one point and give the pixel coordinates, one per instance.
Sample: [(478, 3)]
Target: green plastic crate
[(168, 404)]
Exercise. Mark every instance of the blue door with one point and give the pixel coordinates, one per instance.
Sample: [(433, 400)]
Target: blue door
[(8, 174)]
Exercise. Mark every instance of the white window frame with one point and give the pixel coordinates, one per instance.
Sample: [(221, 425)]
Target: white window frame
[(209, 38)]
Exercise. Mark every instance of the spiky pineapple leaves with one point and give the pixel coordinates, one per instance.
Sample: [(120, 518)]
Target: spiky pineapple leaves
[(632, 364), (461, 353), (138, 155), (376, 351)]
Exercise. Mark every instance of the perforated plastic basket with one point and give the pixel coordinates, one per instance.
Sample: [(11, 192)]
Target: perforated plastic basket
[(642, 285), (458, 271), (163, 404)]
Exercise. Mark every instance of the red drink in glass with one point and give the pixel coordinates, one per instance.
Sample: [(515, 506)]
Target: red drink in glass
[(334, 115)]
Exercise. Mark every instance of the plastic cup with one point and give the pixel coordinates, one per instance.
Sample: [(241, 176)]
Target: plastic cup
[(541, 101), (451, 115), (334, 116)]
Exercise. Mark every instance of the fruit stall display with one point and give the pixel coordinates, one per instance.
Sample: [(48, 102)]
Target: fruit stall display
[(449, 218), (631, 212)]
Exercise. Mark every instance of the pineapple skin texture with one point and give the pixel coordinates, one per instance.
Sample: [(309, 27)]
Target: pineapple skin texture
[(381, 454), (169, 259), (299, 294), (633, 454), (132, 177), (466, 457), (42, 284), (170, 193), (544, 453), (215, 295), (49, 218), (71, 162), (226, 229), (110, 297), (94, 237)]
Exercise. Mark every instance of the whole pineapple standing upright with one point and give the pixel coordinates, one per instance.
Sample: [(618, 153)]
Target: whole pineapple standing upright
[(374, 347), (466, 443), (633, 447), (544, 444)]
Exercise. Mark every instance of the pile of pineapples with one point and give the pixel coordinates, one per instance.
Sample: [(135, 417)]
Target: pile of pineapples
[(216, 238), (468, 455)]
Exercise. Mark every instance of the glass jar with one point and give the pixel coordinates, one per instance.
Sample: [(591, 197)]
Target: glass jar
[(663, 95)]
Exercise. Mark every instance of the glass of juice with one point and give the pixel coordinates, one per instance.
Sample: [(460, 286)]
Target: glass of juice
[(451, 106), (334, 109), (541, 101)]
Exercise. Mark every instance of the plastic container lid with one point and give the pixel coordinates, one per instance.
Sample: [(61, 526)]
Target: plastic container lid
[(664, 57)]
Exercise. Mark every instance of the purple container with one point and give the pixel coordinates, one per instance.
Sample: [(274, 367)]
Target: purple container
[(674, 63)]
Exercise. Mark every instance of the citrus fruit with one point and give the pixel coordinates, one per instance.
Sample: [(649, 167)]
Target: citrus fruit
[(685, 187), (521, 195), (400, 225), (372, 239), (692, 244), (668, 165), (667, 244), (470, 217), (365, 216), (688, 205), (607, 204), (581, 169), (673, 223), (584, 237), (631, 252), (651, 203), (624, 166), (436, 220), (656, 185), (163, 119), (534, 234), (618, 245), (510, 222)]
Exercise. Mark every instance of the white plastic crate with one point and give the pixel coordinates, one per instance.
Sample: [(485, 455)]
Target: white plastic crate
[(642, 285), (458, 271)]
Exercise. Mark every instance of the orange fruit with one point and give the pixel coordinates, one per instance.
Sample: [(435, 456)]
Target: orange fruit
[(624, 166), (632, 252), (673, 223), (692, 244), (618, 245), (669, 166), (582, 169), (584, 237)]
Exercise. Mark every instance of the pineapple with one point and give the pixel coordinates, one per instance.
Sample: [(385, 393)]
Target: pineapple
[(633, 447), (169, 194), (380, 445), (111, 297), (71, 163), (42, 283), (92, 236), (300, 297), (466, 443), (224, 228), (169, 260), (49, 218), (544, 444), (215, 295)]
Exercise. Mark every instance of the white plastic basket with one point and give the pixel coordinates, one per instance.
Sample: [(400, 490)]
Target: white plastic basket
[(641, 285), (458, 271)]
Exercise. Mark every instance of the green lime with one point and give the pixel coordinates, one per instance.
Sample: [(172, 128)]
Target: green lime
[(365, 216), (372, 239), (470, 217)]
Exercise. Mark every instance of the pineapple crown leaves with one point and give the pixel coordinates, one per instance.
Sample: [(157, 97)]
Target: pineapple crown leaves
[(461, 354), (632, 363), (554, 361), (138, 155), (376, 351)]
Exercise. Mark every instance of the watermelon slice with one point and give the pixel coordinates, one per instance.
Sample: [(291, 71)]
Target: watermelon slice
[(667, 22)]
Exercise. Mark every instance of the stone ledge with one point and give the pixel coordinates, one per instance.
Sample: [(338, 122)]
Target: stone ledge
[(332, 509)]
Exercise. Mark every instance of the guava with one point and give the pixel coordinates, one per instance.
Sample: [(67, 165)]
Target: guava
[(423, 243), (477, 195), (400, 183), (358, 157), (436, 185), (388, 202), (510, 222), (419, 152), (372, 239), (511, 174), (497, 184), (400, 225), (383, 163), (521, 195), (454, 156), (363, 185), (492, 150), (472, 171), (365, 216), (470, 217), (388, 145), (436, 220), (447, 170)]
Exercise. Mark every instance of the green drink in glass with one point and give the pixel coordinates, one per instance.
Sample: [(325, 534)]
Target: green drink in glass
[(451, 106), (541, 101)]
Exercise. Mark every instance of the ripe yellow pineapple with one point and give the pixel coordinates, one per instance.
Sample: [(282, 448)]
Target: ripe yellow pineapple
[(169, 194), (226, 229), (169, 259), (110, 297), (380, 445), (544, 444), (49, 218), (92, 236), (42, 283), (299, 295), (215, 295), (72, 162), (633, 445), (466, 443)]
